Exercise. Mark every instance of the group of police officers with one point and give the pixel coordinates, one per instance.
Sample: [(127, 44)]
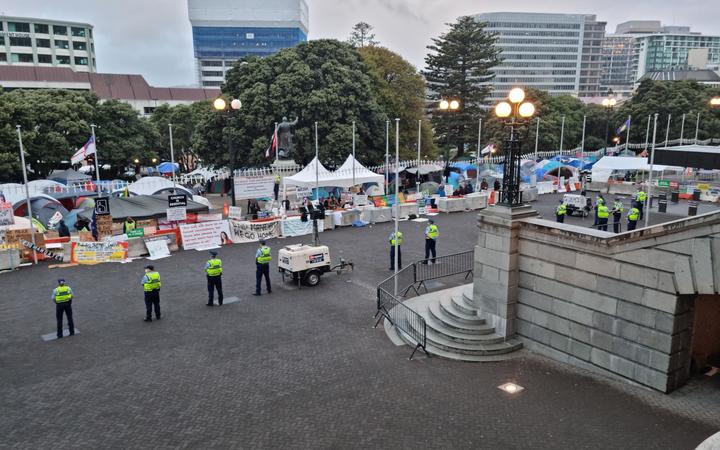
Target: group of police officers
[(603, 212), (62, 295), (431, 235)]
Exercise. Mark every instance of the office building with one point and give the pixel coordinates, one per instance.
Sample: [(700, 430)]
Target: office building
[(557, 53), (227, 30), (131, 89), (26, 41), (641, 47)]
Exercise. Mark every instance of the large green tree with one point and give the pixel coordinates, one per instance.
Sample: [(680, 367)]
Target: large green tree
[(457, 67), (185, 120), (362, 35), (400, 91), (323, 81)]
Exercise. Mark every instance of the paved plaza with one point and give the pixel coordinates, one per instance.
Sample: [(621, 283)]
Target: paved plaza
[(296, 369)]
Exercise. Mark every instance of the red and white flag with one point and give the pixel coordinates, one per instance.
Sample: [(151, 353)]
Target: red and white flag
[(487, 150), (270, 152), (84, 151)]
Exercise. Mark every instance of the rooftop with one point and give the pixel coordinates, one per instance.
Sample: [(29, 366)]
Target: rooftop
[(41, 20), (704, 75)]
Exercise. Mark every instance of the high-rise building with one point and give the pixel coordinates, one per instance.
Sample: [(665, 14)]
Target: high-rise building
[(557, 53), (227, 30), (26, 41), (642, 46)]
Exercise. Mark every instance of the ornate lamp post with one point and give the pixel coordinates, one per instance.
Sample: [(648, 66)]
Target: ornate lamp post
[(515, 113), (445, 106), (221, 105)]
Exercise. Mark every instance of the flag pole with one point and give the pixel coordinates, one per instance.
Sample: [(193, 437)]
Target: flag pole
[(667, 131), (353, 148), (27, 191), (477, 156), (682, 129), (397, 201), (387, 155), (419, 144), (172, 155), (537, 138), (652, 162), (274, 139), (627, 135), (697, 127), (562, 134), (317, 165), (97, 164), (647, 133), (582, 145)]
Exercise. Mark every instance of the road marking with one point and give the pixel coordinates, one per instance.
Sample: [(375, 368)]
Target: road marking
[(53, 336)]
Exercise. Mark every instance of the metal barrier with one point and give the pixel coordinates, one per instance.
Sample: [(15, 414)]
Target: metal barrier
[(413, 278)]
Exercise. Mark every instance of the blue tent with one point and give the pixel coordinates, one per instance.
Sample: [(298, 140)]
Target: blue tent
[(167, 167)]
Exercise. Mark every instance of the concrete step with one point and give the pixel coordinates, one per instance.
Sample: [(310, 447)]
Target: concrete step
[(436, 327), (458, 301), (446, 304), (439, 315), (438, 352), (478, 349), (467, 293)]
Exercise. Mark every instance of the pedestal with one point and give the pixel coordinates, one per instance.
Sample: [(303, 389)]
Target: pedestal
[(495, 285)]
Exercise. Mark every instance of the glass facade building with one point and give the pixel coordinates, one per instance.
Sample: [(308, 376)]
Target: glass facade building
[(225, 31), (26, 41)]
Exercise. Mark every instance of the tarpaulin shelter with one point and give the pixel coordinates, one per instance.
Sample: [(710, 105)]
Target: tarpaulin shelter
[(696, 156), (603, 169), (69, 176), (143, 207), (168, 167)]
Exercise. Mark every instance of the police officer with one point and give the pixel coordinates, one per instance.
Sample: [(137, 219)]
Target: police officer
[(603, 213), (640, 199), (431, 235), (599, 201), (213, 270), (561, 212), (263, 256), (151, 286), (129, 225), (633, 216), (62, 296), (393, 238), (617, 211)]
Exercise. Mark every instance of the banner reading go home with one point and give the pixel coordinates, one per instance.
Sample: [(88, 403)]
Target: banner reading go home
[(99, 252)]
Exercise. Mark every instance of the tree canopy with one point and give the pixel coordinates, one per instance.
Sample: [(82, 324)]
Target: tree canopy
[(457, 67), (362, 35)]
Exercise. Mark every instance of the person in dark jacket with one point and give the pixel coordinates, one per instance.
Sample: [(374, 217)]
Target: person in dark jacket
[(63, 230)]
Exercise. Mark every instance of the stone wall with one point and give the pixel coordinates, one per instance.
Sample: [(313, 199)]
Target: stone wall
[(620, 304)]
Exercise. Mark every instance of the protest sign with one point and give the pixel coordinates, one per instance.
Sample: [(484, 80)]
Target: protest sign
[(6, 214), (176, 214), (254, 187), (235, 213), (99, 252), (209, 217), (296, 227), (136, 233), (157, 248), (201, 235), (242, 231)]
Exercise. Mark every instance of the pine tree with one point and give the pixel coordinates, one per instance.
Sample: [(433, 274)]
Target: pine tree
[(457, 67), (362, 35)]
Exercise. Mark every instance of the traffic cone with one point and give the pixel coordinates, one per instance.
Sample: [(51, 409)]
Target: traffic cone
[(226, 209)]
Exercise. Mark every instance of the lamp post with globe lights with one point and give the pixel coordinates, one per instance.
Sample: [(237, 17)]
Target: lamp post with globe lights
[(515, 113), (446, 106), (221, 105)]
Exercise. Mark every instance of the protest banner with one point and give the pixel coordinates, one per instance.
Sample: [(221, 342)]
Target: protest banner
[(99, 252), (243, 231), (176, 214), (201, 235), (6, 214), (235, 213), (209, 217), (296, 227), (254, 187)]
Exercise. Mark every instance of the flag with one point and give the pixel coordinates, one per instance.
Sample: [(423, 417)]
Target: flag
[(487, 150), (84, 151), (623, 127), (270, 152)]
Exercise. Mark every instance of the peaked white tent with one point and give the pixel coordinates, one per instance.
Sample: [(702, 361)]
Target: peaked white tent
[(602, 169), (306, 177), (344, 175)]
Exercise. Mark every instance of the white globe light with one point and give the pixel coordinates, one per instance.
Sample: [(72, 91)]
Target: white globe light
[(444, 104), (236, 104), (516, 95), (503, 109), (454, 104), (219, 104), (526, 110), (606, 102), (613, 102)]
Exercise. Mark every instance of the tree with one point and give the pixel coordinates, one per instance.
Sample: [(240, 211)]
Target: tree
[(400, 91), (321, 81), (457, 67), (362, 36), (185, 120)]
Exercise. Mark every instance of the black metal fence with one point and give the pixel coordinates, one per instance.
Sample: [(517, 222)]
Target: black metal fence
[(412, 278)]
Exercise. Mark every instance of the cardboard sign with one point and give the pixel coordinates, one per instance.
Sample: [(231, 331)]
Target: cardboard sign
[(157, 249), (201, 234), (99, 252), (254, 187), (176, 214), (104, 226), (6, 214), (242, 231), (235, 213)]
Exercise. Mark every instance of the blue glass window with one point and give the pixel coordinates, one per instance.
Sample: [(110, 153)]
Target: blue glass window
[(237, 42)]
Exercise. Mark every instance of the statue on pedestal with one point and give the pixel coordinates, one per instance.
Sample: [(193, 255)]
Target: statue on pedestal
[(284, 138)]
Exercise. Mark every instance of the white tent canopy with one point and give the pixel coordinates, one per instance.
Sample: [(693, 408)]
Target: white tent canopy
[(306, 177), (602, 169), (154, 185), (344, 175)]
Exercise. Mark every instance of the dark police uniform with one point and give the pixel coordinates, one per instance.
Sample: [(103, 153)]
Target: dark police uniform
[(263, 256), (63, 295), (213, 270), (151, 286), (392, 249)]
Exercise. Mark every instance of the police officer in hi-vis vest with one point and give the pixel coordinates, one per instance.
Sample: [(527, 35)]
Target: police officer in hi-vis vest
[(62, 296), (392, 249), (431, 235), (213, 270), (263, 256), (151, 286)]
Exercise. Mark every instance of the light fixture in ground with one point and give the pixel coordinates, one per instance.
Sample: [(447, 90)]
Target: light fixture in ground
[(511, 388)]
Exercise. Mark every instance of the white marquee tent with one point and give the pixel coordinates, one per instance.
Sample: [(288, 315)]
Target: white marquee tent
[(306, 177), (344, 175), (602, 169)]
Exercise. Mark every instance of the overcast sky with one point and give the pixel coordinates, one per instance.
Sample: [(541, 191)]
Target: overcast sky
[(153, 37)]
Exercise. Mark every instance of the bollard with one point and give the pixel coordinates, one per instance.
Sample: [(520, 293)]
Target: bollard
[(692, 208), (675, 196)]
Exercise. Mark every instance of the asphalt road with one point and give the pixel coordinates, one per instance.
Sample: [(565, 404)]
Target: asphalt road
[(296, 369)]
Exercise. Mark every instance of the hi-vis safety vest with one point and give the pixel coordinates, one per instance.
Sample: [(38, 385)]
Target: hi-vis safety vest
[(399, 238), (600, 201), (153, 283), (561, 210), (618, 207), (62, 294), (129, 226), (641, 196), (265, 255), (633, 214), (214, 268), (603, 212), (433, 232)]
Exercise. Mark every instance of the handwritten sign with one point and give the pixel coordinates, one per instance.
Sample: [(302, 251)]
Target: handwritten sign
[(176, 214), (235, 213), (201, 234), (241, 231), (99, 252), (254, 187), (43, 251), (6, 214)]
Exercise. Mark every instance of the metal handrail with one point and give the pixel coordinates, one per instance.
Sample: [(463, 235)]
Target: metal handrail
[(391, 307)]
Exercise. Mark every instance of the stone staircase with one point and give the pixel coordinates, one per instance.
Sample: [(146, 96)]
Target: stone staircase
[(455, 330)]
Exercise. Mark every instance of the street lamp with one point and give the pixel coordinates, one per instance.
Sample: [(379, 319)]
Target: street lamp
[(446, 105), (715, 101), (221, 105), (608, 103), (449, 105), (516, 112)]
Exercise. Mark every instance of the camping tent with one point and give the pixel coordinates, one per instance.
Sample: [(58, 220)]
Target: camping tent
[(69, 176), (306, 177), (154, 186), (602, 169), (168, 167), (45, 209)]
